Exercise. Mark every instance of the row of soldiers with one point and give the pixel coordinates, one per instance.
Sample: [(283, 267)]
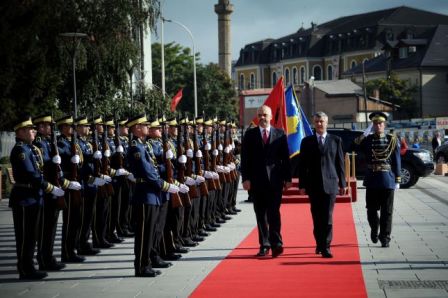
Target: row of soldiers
[(168, 183)]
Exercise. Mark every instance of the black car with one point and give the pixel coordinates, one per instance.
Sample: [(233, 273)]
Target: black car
[(415, 163), (442, 152)]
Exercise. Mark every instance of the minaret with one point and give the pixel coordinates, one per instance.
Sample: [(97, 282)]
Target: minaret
[(223, 9)]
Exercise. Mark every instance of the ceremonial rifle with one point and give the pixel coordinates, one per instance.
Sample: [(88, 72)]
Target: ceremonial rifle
[(189, 165), (107, 188), (186, 201), (175, 197), (206, 155), (55, 171), (197, 161), (75, 194), (215, 157)]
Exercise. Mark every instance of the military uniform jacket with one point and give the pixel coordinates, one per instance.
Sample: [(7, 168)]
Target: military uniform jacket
[(149, 185), (27, 167), (87, 167), (156, 152), (383, 160)]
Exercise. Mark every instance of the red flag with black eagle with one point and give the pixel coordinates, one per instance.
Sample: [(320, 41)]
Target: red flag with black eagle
[(176, 99)]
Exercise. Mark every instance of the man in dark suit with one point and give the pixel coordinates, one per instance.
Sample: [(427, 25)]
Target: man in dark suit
[(265, 170), (321, 175)]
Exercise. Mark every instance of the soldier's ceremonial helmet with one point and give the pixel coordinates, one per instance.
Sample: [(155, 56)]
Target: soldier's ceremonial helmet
[(110, 122), (378, 116), (97, 120), (82, 121), (45, 118), (172, 121), (140, 119), (68, 120), (208, 122), (122, 121), (24, 122)]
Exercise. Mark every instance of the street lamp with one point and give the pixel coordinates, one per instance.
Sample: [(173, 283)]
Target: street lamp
[(75, 37), (311, 84), (194, 63)]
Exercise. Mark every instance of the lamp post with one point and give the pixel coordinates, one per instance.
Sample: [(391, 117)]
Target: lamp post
[(194, 63), (75, 37), (131, 74), (311, 84)]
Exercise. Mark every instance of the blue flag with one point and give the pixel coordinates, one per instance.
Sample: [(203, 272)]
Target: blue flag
[(297, 124)]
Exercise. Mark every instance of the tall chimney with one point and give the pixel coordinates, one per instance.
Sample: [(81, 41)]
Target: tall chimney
[(223, 9)]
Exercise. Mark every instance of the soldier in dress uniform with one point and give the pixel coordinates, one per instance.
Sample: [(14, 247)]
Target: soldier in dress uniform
[(382, 178), (146, 198), (235, 164), (27, 196)]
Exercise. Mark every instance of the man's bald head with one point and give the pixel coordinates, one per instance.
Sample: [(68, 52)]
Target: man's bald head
[(264, 114)]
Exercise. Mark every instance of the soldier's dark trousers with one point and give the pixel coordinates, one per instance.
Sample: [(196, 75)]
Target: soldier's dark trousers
[(47, 232), (71, 223), (87, 213), (185, 229), (115, 204), (202, 212), (195, 207), (173, 227), (380, 200), (145, 218), (102, 209), (25, 230), (157, 249), (209, 219), (123, 217)]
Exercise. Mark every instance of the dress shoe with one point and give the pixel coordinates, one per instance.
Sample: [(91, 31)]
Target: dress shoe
[(231, 212), (159, 263), (126, 234), (384, 243), (147, 272), (326, 253), (227, 217), (113, 238), (172, 257), (209, 228), (34, 275), (203, 233), (88, 251), (318, 251), (374, 236), (264, 251), (189, 243), (236, 210), (220, 221), (198, 238), (215, 225), (52, 266), (276, 251), (104, 244), (73, 259), (181, 250)]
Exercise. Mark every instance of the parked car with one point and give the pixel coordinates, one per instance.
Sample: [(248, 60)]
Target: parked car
[(442, 152), (415, 163)]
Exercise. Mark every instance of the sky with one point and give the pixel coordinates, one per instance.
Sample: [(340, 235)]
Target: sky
[(254, 20)]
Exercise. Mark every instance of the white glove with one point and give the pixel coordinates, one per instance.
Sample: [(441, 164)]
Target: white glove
[(121, 172), (182, 159), (215, 175), (189, 181), (183, 188), (220, 169), (106, 178), (173, 188), (215, 152), (232, 145), (397, 186), (74, 185), (57, 192), (75, 159), (98, 181), (97, 155), (131, 177), (231, 166), (107, 153), (120, 149), (208, 147), (199, 154), (226, 170), (368, 129), (189, 153), (208, 175), (227, 150), (199, 179), (169, 154), (220, 147), (56, 159)]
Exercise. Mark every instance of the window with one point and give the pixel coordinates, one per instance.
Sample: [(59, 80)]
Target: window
[(252, 81), (302, 74), (353, 64), (403, 53), (287, 76), (241, 81), (330, 72), (274, 78), (294, 76), (317, 72)]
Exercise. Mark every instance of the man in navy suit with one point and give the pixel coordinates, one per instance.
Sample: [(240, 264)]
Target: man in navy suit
[(321, 175), (266, 171)]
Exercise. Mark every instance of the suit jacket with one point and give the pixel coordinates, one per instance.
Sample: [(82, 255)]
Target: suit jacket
[(321, 169), (266, 166)]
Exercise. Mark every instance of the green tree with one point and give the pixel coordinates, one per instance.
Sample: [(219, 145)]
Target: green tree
[(398, 92)]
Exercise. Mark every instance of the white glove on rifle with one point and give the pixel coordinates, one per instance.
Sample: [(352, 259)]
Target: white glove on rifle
[(173, 189), (120, 149), (106, 178), (220, 169), (189, 181), (208, 175), (397, 186), (368, 129), (182, 159), (98, 181), (131, 177), (121, 172), (97, 155), (75, 159), (169, 154), (183, 188), (215, 152), (208, 147), (226, 170), (199, 179), (227, 150), (215, 175), (107, 153), (74, 185), (189, 153), (220, 147), (56, 159), (57, 192), (199, 154)]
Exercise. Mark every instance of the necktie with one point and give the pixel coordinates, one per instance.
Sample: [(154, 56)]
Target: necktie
[(265, 136), (321, 140)]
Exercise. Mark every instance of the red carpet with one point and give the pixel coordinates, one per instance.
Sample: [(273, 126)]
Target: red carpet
[(299, 272)]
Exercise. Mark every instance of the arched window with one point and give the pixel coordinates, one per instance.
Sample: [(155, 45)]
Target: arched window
[(274, 78), (353, 64), (302, 74), (295, 79), (252, 81), (287, 76), (241, 81), (330, 72), (317, 72)]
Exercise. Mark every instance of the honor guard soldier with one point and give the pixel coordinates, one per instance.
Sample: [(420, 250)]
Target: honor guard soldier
[(382, 178), (146, 198), (27, 196), (46, 142)]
